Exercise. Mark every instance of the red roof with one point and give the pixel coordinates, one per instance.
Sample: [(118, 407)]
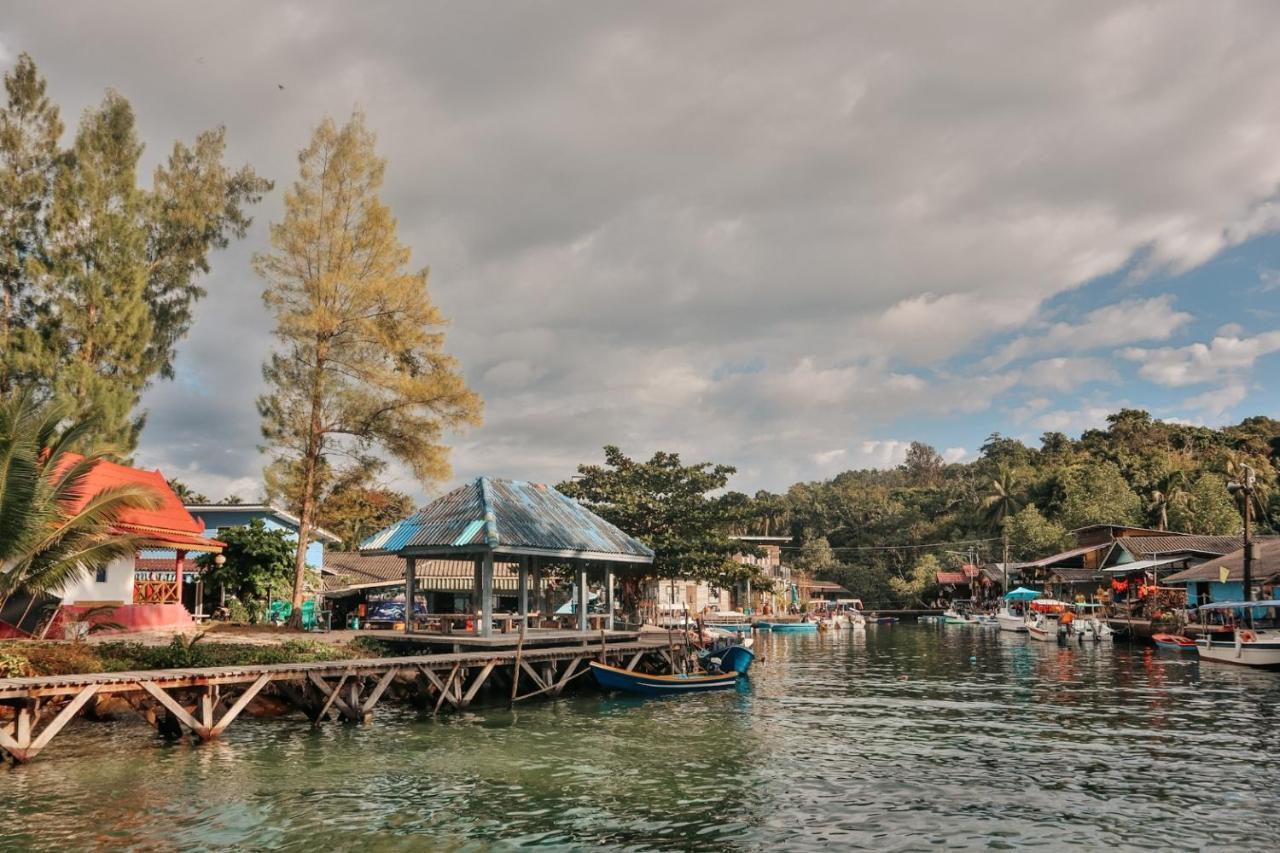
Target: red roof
[(169, 525), (951, 579), (970, 570)]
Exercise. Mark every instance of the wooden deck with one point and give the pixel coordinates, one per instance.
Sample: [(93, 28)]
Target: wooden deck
[(349, 688)]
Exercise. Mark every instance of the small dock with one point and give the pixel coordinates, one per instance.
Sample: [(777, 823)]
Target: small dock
[(206, 701)]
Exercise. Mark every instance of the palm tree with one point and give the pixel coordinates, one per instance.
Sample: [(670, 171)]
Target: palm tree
[(1171, 492), (1001, 503), (51, 532)]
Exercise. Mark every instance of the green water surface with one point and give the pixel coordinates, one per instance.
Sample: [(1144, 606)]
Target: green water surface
[(897, 738)]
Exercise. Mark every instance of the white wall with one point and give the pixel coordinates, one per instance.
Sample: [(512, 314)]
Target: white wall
[(117, 589)]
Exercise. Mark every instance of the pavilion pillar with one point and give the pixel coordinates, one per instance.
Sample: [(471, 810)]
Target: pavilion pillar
[(410, 591), (582, 597), (476, 603), (523, 573), (180, 559), (608, 596), (485, 624), (536, 570)]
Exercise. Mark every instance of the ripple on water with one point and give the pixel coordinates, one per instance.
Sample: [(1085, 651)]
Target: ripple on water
[(897, 738)]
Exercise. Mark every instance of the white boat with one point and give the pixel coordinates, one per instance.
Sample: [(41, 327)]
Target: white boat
[(1088, 624), (1249, 645), (1043, 627), (1010, 621)]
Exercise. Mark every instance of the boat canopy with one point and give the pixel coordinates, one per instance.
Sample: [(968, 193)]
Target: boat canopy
[(1238, 605), (1022, 594)]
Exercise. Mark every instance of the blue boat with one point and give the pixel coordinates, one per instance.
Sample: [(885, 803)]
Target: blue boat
[(736, 658), (789, 627), (613, 678)]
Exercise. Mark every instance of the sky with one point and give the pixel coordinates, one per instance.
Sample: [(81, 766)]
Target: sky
[(787, 237)]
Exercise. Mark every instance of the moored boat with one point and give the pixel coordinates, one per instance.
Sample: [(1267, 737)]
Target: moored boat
[(1174, 642), (789, 627), (1043, 619), (1248, 644), (1012, 616), (614, 678)]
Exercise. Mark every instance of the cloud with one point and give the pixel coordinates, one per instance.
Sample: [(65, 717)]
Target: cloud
[(955, 454), (1216, 402), (1199, 362), (1124, 322), (1067, 374), (619, 200)]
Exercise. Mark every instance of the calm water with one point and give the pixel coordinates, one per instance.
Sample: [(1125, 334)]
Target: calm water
[(899, 738)]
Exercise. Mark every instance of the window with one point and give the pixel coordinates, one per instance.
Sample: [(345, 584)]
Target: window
[(101, 576)]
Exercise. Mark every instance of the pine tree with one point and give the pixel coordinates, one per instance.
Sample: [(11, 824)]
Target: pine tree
[(100, 275), (29, 131), (361, 362), (96, 321)]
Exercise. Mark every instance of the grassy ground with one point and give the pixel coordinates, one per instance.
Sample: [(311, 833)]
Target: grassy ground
[(224, 647)]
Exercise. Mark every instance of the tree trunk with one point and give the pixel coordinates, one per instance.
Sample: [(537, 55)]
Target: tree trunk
[(307, 508)]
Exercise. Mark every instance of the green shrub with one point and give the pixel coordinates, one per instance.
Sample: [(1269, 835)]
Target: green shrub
[(13, 665)]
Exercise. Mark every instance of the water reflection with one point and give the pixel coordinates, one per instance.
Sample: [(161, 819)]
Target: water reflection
[(897, 737)]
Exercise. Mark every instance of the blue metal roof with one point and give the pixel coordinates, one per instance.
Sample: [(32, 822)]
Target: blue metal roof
[(508, 516)]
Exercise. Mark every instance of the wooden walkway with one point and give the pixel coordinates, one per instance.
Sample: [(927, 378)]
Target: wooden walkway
[(206, 701)]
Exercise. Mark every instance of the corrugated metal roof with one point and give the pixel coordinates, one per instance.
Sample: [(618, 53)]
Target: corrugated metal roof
[(353, 570), (508, 516), (1142, 547), (1266, 565)]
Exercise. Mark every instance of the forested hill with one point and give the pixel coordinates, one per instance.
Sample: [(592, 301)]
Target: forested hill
[(1137, 471)]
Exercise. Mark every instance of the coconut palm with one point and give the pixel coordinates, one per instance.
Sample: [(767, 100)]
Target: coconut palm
[(51, 532), (1170, 492), (1002, 502)]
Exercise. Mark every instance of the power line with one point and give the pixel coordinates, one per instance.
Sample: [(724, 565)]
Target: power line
[(897, 547)]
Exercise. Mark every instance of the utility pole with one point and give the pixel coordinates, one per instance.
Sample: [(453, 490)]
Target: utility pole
[(1244, 488)]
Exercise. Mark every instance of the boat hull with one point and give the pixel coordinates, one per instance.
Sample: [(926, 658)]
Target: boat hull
[(790, 627), (1012, 623), (1246, 648), (1174, 642), (613, 678)]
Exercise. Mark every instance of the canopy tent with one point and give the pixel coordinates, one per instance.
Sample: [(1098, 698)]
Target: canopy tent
[(1022, 594)]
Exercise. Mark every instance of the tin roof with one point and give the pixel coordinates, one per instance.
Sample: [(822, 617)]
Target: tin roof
[(1266, 565), (166, 525), (1142, 547), (508, 517), (355, 571)]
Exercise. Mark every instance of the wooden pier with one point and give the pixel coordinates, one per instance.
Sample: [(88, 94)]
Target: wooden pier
[(207, 701)]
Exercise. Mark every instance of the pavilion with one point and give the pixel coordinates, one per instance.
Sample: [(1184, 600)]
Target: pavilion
[(530, 524)]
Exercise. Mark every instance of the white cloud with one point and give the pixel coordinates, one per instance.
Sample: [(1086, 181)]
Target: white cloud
[(1067, 374), (828, 193), (1124, 322), (827, 457), (884, 453), (1198, 363), (1216, 402), (955, 454), (1088, 416)]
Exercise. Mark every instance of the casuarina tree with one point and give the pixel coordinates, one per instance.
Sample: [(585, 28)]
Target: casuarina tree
[(360, 366)]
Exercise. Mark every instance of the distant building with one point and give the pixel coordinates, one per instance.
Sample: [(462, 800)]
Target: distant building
[(218, 517)]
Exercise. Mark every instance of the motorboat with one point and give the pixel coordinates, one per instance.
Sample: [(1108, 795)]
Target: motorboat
[(1089, 624), (1012, 616), (730, 657), (1043, 619), (1248, 643)]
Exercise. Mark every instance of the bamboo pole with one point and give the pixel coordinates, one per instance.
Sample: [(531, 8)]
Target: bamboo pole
[(515, 669)]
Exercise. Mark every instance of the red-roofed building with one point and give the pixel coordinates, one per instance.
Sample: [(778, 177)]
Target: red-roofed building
[(145, 595)]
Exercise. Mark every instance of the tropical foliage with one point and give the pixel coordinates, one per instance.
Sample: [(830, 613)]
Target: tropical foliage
[(258, 561), (671, 507), (51, 532), (1136, 470)]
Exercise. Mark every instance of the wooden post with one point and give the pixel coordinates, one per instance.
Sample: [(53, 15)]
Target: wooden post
[(583, 624), (486, 595), (410, 591), (515, 669), (608, 596), (181, 557)]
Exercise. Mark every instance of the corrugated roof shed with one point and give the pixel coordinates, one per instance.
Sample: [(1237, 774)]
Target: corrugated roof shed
[(1142, 547), (1265, 566), (508, 517)]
